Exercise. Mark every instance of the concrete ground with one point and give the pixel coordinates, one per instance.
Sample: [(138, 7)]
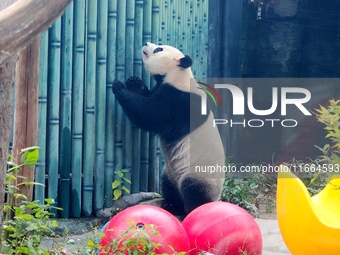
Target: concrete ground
[(272, 240)]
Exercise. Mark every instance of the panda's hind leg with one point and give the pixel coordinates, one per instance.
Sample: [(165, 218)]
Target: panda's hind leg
[(194, 193), (173, 201), (136, 85)]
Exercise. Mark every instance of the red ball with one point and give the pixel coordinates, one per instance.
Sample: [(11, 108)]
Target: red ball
[(222, 228), (138, 220)]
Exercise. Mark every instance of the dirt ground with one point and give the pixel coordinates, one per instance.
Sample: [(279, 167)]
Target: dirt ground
[(267, 208)]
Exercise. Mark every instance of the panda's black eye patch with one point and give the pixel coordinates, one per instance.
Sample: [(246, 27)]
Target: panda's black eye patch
[(158, 50)]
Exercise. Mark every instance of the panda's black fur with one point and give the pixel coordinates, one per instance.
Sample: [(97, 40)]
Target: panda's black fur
[(166, 111)]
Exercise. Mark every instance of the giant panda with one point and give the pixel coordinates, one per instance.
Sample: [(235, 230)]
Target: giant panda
[(172, 109)]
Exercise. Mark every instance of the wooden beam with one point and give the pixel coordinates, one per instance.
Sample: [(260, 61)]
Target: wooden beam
[(24, 20), (26, 109)]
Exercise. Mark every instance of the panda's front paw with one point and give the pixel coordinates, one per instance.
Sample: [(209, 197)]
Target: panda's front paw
[(117, 85), (136, 85)]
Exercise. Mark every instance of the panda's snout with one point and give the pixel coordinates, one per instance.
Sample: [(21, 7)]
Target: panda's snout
[(148, 46), (144, 50)]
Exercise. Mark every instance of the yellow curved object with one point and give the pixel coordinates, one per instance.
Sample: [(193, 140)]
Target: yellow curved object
[(309, 225)]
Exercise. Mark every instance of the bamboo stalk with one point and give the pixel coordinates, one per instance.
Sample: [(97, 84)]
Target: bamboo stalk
[(129, 49), (100, 103), (66, 111), (90, 134), (144, 140), (153, 181), (147, 24), (53, 107), (178, 19), (137, 71), (120, 75), (78, 82), (155, 22), (174, 25), (39, 191), (144, 161), (161, 26), (110, 101)]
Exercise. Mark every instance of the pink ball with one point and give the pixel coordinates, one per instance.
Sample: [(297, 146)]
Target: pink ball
[(172, 235), (222, 228)]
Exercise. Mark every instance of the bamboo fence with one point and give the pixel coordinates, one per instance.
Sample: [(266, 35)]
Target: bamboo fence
[(83, 133)]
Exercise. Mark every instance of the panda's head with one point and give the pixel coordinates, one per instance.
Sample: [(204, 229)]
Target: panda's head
[(168, 62)]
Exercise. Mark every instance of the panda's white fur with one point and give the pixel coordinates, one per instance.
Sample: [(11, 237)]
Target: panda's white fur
[(186, 146), (166, 63)]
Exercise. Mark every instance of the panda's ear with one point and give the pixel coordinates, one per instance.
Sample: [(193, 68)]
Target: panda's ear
[(185, 62)]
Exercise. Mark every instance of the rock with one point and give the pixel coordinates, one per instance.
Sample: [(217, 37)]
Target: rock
[(126, 201)]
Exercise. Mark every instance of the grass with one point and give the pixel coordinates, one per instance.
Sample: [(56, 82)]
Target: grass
[(251, 192), (257, 193)]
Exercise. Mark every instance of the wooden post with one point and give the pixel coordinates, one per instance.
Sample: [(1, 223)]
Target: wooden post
[(26, 109), (7, 69), (6, 91)]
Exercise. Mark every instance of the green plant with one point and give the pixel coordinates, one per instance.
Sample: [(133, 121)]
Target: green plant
[(118, 186), (27, 223), (136, 240), (319, 170), (241, 192), (330, 117), (92, 245), (241, 252), (247, 192)]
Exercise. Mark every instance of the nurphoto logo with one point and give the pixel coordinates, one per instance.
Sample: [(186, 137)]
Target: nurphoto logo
[(281, 97)]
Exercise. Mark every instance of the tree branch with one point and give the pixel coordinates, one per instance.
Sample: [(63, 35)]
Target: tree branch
[(24, 20)]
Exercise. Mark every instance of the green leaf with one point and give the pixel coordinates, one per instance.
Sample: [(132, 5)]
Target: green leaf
[(31, 183), (10, 177), (335, 159), (117, 193), (127, 180), (126, 190), (90, 243), (326, 147), (9, 228), (253, 186), (12, 164), (30, 156), (71, 241), (49, 200), (18, 211), (32, 148), (116, 184), (13, 169), (24, 250), (20, 196), (45, 252), (119, 173), (27, 217)]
